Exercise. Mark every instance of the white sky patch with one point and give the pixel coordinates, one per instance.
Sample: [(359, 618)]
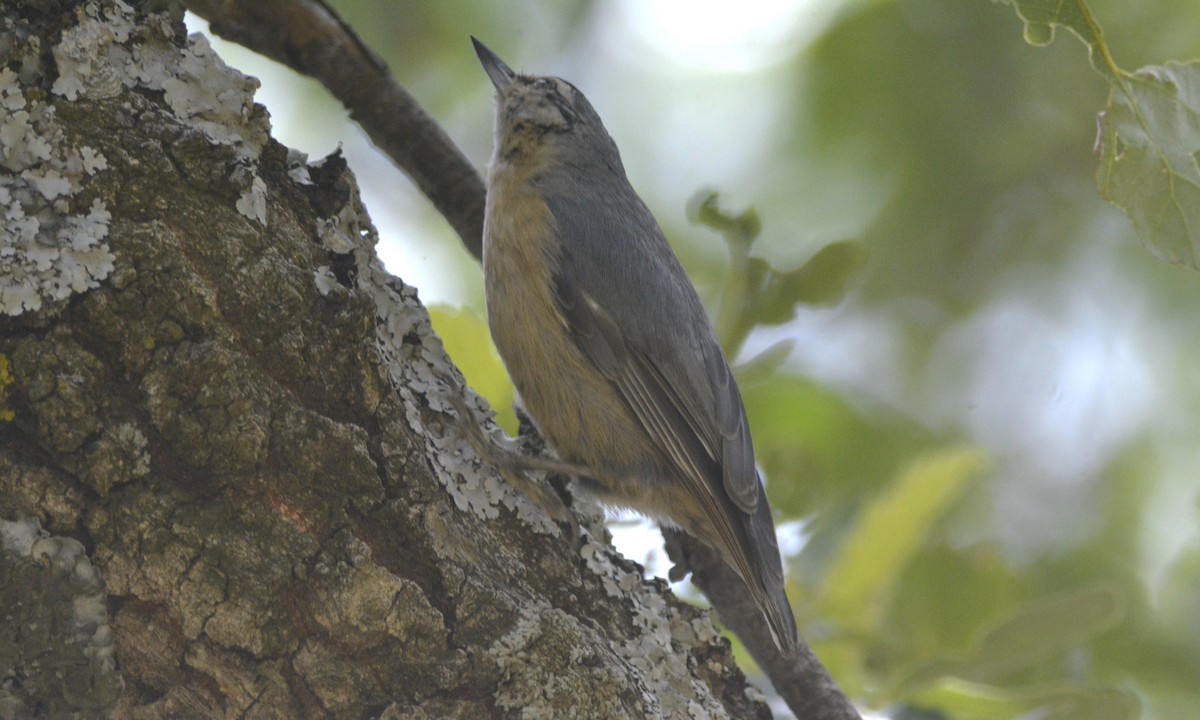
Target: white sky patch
[(793, 535), (719, 36), (640, 540)]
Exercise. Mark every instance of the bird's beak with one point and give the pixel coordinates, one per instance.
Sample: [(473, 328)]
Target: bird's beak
[(500, 73)]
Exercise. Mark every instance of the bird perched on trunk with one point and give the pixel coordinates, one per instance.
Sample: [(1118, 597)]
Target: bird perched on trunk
[(606, 339)]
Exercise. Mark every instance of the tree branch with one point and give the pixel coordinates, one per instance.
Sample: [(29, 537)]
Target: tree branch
[(803, 682)]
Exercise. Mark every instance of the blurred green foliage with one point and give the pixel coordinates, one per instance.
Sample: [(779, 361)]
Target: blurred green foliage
[(989, 441), (1149, 133)]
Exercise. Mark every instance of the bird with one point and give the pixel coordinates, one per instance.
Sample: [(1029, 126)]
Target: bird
[(606, 340)]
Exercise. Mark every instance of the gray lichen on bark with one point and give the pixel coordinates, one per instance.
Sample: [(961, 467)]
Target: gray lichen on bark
[(242, 427), (60, 651)]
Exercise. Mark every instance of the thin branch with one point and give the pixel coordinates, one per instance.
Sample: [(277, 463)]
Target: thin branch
[(802, 681)]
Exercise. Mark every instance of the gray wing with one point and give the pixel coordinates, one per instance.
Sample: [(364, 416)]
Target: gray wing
[(663, 355), (664, 361)]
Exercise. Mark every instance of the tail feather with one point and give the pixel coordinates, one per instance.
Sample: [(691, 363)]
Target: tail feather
[(768, 585)]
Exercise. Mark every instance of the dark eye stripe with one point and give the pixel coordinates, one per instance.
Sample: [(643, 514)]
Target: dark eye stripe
[(563, 106)]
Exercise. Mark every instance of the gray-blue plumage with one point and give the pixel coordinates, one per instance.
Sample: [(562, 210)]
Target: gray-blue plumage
[(606, 339)]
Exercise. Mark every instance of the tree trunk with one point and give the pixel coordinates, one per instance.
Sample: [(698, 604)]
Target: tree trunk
[(230, 481)]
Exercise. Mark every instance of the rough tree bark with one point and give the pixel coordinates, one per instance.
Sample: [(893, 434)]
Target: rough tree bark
[(230, 485)]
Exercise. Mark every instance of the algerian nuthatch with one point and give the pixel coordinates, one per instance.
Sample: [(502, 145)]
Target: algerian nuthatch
[(606, 339)]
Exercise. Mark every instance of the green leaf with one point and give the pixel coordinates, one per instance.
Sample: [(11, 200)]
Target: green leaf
[(1030, 634), (739, 230), (1051, 624), (745, 273), (822, 280), (1149, 152), (1042, 16), (970, 701), (888, 534), (1149, 141), (757, 294)]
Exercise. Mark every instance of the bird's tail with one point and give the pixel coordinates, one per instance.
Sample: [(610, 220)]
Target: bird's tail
[(767, 585)]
